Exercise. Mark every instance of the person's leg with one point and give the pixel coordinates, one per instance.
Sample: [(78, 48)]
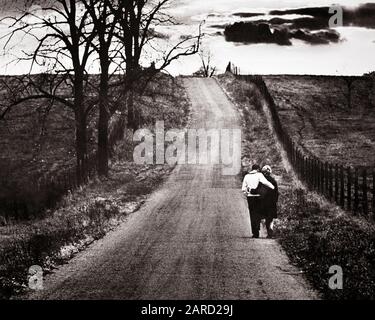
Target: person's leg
[(268, 226), (256, 217), (255, 225), (259, 213), (253, 216)]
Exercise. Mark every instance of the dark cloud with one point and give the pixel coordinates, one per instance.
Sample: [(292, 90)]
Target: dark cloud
[(301, 23), (247, 14), (361, 16), (312, 27), (214, 15), (317, 38), (250, 32), (322, 12), (219, 26), (260, 32)]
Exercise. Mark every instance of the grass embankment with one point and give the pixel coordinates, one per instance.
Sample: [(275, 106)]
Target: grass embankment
[(316, 112), (90, 212), (315, 234)]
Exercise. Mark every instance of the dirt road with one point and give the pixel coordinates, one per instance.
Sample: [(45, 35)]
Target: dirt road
[(191, 240)]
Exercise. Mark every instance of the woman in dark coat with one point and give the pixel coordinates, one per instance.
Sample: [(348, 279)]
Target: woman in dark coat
[(269, 201)]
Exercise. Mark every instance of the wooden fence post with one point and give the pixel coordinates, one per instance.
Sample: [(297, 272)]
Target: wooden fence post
[(303, 168), (349, 189), (316, 173), (364, 193), (323, 178), (299, 163), (319, 176), (312, 172), (337, 183), (326, 176), (296, 161), (356, 191), (342, 187), (307, 172), (330, 181), (317, 183), (313, 176), (312, 182)]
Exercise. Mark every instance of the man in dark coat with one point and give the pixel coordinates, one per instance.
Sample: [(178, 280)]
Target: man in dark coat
[(269, 201)]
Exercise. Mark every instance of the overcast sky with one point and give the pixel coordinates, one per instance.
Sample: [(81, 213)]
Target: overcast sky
[(354, 55)]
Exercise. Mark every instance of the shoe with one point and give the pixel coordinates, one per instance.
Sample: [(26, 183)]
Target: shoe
[(255, 237)]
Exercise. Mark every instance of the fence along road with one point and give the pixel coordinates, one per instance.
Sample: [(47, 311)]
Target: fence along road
[(191, 240), (353, 189)]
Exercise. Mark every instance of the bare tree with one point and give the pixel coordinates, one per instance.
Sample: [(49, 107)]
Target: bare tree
[(137, 20), (70, 34), (104, 19), (61, 31), (207, 69), (131, 23)]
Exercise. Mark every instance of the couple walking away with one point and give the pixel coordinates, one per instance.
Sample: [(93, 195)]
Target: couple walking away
[(262, 195)]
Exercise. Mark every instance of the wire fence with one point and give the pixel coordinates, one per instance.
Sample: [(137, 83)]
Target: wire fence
[(353, 189)]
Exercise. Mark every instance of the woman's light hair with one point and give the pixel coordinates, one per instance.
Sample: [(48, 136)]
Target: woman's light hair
[(267, 169)]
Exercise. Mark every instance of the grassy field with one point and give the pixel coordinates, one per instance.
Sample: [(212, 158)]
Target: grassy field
[(91, 211), (316, 112), (314, 233), (35, 139)]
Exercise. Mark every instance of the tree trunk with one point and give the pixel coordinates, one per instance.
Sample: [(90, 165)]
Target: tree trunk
[(131, 75), (81, 130), (103, 123), (131, 111), (81, 147)]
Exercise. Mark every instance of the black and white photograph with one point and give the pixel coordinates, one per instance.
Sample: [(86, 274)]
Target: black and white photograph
[(186, 154)]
